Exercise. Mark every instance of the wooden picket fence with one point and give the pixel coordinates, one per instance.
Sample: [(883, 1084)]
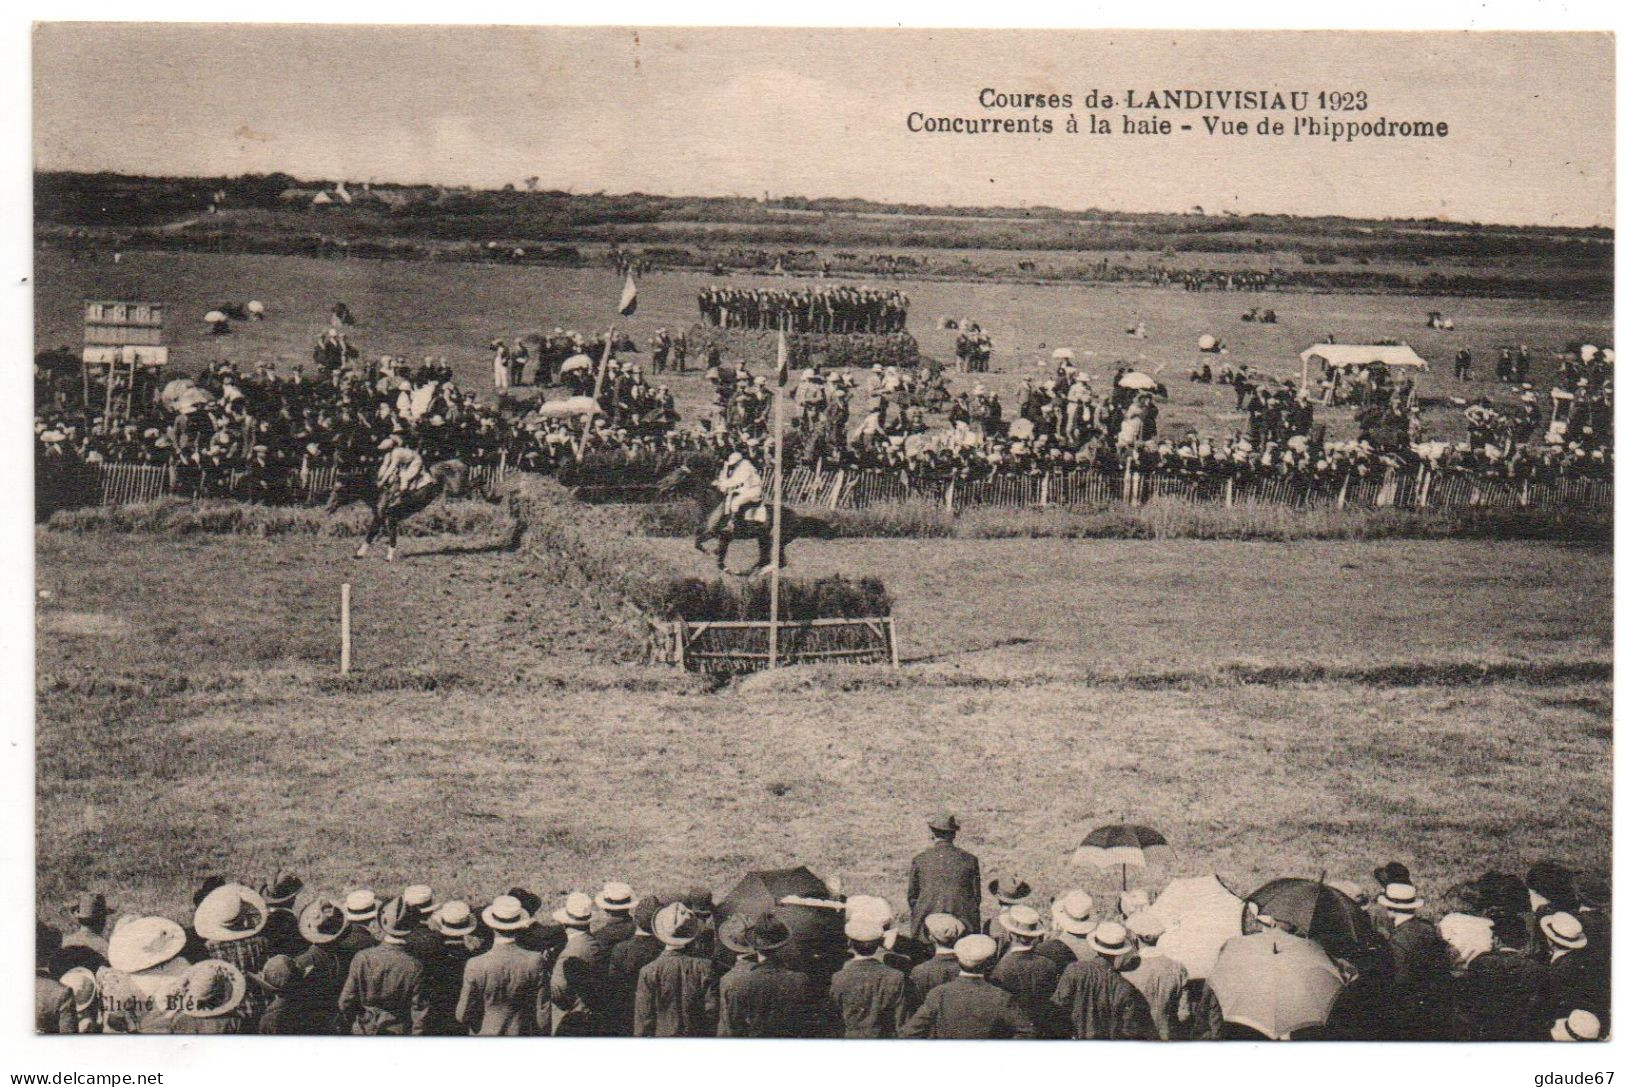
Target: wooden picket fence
[(735, 648), (121, 484)]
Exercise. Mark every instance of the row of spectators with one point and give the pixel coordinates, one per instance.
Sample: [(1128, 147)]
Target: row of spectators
[(818, 309), (1498, 958)]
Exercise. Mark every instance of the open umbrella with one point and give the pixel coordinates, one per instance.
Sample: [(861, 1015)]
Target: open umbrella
[(1274, 983), (1063, 353), (1134, 379), (1119, 843), (1313, 909), (570, 407), (214, 317), (814, 930), (574, 363), (1199, 913)]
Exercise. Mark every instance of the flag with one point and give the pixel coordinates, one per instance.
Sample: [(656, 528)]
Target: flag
[(629, 297), (784, 361)]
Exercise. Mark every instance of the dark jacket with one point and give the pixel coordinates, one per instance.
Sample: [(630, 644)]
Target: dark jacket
[(626, 960), (503, 992), (1422, 985), (676, 997), (944, 879), (1577, 980), (383, 993), (1498, 997), (768, 1001), (576, 986), (316, 1001), (1099, 1003), (928, 975), (1031, 979), (53, 1008), (969, 1007), (872, 999)]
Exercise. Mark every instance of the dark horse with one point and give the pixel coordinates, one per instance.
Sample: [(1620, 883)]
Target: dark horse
[(450, 479), (691, 482)]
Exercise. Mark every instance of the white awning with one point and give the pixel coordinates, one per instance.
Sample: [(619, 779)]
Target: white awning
[(1339, 355)]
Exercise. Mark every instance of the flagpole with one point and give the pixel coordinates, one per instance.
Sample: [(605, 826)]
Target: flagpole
[(778, 502), (597, 388)]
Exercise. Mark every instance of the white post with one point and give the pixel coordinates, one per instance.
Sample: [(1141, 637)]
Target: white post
[(344, 629), (778, 505)]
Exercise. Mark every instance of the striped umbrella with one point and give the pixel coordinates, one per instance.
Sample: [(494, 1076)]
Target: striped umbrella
[(1119, 844)]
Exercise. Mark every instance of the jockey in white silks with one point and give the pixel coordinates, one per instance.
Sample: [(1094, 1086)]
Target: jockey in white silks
[(741, 487), (405, 486)]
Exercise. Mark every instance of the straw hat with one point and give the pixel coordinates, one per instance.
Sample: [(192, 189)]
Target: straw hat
[(676, 926), (360, 906), (230, 912), (397, 919), (1564, 930), (211, 989), (83, 985), (1022, 921), (616, 898), (1577, 1026), (453, 919), (505, 914), (576, 911), (1071, 913), (419, 898), (321, 922), (1110, 939), (1400, 897)]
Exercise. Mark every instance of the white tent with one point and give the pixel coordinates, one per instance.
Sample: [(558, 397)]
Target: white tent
[(1339, 356)]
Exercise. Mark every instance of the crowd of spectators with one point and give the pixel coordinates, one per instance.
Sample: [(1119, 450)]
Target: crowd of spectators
[(1498, 958), (815, 309)]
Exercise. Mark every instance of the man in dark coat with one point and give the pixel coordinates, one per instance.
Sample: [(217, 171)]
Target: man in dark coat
[(617, 901), (1498, 996), (1026, 975), (577, 983), (969, 1006), (1578, 975), (627, 959), (945, 930), (1422, 985), (322, 970), (1097, 1000), (677, 992), (281, 922), (444, 944), (504, 991), (383, 993), (773, 1000), (944, 879), (870, 995), (54, 1011)]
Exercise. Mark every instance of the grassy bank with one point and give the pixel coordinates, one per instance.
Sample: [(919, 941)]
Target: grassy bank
[(182, 517), (1174, 519)]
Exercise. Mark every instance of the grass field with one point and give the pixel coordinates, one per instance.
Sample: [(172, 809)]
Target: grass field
[(1276, 709), (455, 310)]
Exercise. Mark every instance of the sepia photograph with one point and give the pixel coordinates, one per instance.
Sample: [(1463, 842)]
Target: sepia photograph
[(821, 533)]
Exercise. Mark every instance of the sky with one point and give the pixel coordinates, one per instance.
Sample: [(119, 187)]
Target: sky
[(824, 113)]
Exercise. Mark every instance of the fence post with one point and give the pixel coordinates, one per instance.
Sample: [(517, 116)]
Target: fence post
[(948, 495), (1229, 491), (1043, 490), (1343, 493)]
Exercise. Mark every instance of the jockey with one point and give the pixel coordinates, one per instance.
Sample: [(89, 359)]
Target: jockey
[(405, 486), (741, 487)]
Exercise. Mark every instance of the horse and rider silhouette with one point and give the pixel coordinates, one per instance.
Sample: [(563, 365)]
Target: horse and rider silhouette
[(449, 478), (694, 481)]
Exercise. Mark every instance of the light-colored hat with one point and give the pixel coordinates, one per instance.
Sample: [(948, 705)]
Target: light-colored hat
[(83, 985), (1072, 911), (1564, 930), (397, 919), (504, 914), (1110, 939), (419, 897), (676, 925), (864, 930), (975, 951), (360, 905), (734, 934), (616, 898), (867, 910), (576, 911), (1022, 921), (733, 458), (230, 912), (212, 988), (944, 929), (388, 443), (1145, 924), (322, 922), (1400, 897), (140, 943), (1577, 1026), (453, 919)]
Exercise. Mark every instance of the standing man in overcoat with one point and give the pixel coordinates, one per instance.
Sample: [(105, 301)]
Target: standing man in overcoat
[(944, 879)]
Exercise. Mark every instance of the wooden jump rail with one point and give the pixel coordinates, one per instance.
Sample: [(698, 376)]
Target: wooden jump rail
[(735, 646)]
